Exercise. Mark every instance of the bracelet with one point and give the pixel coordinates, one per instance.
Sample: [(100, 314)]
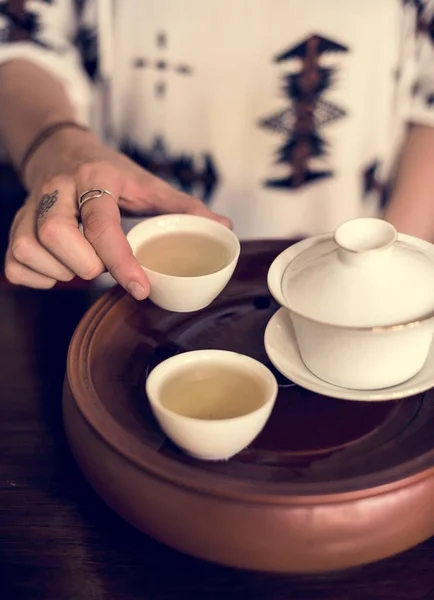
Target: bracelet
[(43, 136)]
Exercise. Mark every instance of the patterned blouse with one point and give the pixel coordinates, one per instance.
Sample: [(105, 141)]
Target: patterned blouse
[(287, 116)]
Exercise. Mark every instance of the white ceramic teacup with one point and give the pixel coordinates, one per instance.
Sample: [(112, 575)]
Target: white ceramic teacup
[(211, 439), (186, 294)]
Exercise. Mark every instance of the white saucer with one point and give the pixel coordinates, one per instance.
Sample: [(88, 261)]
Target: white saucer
[(282, 350)]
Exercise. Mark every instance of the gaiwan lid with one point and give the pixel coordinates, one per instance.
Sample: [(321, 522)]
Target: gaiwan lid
[(365, 275)]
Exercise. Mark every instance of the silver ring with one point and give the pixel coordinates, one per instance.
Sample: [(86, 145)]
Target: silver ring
[(91, 195)]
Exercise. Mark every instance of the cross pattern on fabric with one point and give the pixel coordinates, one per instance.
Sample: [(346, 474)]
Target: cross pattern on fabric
[(162, 65)]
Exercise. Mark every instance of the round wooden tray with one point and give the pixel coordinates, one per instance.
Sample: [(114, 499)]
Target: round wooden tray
[(329, 484)]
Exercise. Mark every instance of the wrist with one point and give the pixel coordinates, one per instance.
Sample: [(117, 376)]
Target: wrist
[(61, 154)]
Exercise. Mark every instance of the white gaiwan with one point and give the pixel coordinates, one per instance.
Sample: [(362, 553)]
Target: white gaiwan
[(361, 301)]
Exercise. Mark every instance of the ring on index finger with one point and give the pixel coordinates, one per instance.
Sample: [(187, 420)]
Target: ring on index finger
[(91, 195)]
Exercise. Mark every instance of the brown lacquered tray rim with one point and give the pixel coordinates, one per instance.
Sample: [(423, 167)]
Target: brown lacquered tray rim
[(212, 483)]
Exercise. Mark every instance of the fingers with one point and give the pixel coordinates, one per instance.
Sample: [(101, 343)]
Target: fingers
[(26, 251), (19, 274), (156, 196), (46, 244), (192, 206), (102, 228), (57, 230)]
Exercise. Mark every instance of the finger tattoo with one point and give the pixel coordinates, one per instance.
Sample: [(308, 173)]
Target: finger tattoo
[(46, 203)]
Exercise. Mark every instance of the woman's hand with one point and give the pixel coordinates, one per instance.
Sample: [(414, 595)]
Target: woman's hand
[(46, 244)]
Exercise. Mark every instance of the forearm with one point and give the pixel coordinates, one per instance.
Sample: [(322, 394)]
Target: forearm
[(411, 208), (30, 100)]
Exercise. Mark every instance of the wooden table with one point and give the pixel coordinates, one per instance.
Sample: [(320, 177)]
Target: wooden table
[(58, 541)]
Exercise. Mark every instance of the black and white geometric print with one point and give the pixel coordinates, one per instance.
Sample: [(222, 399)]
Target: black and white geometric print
[(301, 123), (161, 65), (193, 174), (24, 21), (20, 23)]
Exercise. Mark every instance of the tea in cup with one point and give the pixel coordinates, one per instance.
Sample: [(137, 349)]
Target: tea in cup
[(188, 259), (211, 403)]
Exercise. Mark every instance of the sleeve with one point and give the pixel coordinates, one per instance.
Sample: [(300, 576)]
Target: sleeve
[(46, 33), (422, 101)]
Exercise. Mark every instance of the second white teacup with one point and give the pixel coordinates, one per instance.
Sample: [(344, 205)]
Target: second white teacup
[(188, 259), (211, 403)]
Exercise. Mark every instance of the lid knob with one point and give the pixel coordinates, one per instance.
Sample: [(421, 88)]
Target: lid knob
[(359, 236)]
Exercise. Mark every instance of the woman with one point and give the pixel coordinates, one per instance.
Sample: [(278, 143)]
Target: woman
[(287, 117)]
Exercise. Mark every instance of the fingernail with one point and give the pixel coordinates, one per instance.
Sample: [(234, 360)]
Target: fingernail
[(136, 290)]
